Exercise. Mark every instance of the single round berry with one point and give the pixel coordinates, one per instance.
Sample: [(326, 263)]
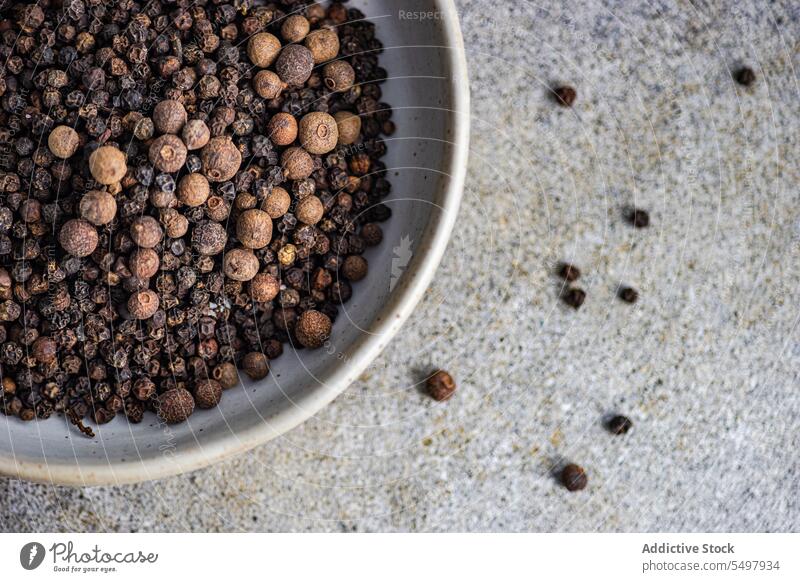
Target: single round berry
[(255, 365), (313, 328), (355, 268), (209, 238), (267, 84), (277, 202), (309, 210), (262, 49), (78, 237), (98, 207), (318, 132), (169, 116), (294, 64), (264, 287), (107, 165), (167, 153), (143, 304), (240, 264), (295, 28), (323, 45), (143, 263), (175, 405), (297, 164), (254, 228), (221, 159), (207, 393), (63, 142), (193, 189), (573, 477), (338, 76), (282, 129), (349, 127), (195, 134)]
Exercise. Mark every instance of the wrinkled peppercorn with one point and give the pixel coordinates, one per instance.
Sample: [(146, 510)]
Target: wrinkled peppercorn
[(619, 424), (440, 385), (628, 294), (573, 477)]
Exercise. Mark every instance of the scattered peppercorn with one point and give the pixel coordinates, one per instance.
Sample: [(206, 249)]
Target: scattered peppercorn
[(574, 297), (143, 304), (146, 232), (297, 164), (568, 272), (339, 76), (745, 76), (441, 385), (619, 424), (310, 210), (628, 294), (226, 374), (268, 85), (565, 95), (277, 202), (638, 218), (573, 477)]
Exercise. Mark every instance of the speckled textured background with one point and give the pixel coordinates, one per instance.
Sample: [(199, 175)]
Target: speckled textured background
[(706, 363)]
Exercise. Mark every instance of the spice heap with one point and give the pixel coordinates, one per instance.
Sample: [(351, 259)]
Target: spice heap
[(184, 186)]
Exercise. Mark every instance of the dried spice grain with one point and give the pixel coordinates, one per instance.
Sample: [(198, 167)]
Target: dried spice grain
[(78, 237), (107, 165), (255, 365), (440, 385), (175, 405), (573, 477), (313, 328), (63, 141), (619, 424), (207, 393), (220, 159), (98, 207)]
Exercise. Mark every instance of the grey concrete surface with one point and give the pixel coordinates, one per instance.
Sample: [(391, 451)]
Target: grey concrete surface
[(706, 364)]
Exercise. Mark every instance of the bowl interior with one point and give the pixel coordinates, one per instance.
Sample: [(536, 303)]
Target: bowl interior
[(421, 89)]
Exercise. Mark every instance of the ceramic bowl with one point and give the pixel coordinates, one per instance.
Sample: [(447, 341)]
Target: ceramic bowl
[(428, 90)]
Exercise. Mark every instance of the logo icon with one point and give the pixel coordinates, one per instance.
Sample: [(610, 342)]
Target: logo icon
[(402, 256), (31, 555)]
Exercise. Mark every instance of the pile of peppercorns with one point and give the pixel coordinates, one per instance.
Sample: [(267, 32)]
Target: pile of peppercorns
[(184, 187)]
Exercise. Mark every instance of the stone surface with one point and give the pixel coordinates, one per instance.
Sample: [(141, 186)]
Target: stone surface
[(705, 363)]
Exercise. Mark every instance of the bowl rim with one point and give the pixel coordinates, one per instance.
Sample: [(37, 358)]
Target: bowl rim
[(401, 303)]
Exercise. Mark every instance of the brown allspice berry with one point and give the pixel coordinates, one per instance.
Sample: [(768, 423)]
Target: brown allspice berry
[(254, 228), (349, 127), (78, 237), (568, 272), (313, 328), (295, 28), (355, 268), (255, 365), (267, 84), (195, 134), (226, 374), (217, 209), (175, 405), (207, 393), (297, 163), (277, 202), (309, 210), (318, 132), (245, 201), (282, 129), (63, 141), (240, 264), (323, 44), (30, 210), (264, 287), (167, 153), (146, 232), (565, 95), (294, 64), (372, 234), (220, 159), (262, 49), (440, 385), (193, 189), (163, 199), (169, 116), (143, 263), (209, 238), (107, 165), (573, 477), (143, 304), (44, 349), (338, 75), (98, 207), (175, 224)]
